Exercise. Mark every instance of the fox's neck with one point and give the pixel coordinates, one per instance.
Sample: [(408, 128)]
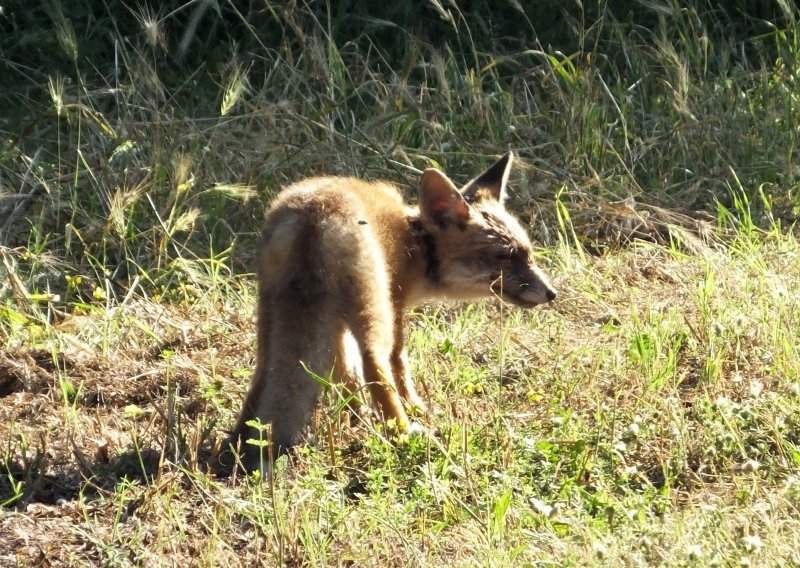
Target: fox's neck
[(426, 249), (419, 277)]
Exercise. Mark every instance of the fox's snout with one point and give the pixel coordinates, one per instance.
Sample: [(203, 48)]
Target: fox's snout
[(545, 291), (525, 292), (549, 293)]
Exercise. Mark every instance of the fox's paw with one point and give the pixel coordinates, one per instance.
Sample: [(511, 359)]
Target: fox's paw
[(413, 430), (416, 407), (401, 432)]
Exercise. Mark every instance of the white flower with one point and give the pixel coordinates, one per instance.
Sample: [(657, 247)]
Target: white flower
[(752, 543), (751, 466), (693, 551)]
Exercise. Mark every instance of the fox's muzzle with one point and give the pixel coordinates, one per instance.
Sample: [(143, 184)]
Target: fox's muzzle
[(531, 290)]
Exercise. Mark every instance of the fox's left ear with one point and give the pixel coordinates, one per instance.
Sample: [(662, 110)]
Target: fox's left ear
[(490, 184), (439, 200)]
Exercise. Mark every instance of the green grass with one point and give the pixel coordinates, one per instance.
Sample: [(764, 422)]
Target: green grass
[(648, 417)]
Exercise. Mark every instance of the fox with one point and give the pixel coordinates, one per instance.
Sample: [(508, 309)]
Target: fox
[(342, 259)]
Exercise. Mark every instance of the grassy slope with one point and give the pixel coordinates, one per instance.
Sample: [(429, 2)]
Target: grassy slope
[(649, 416)]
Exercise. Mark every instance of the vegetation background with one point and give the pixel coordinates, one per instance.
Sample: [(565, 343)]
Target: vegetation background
[(649, 417)]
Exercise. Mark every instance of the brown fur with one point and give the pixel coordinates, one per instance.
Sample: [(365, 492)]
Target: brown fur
[(342, 256)]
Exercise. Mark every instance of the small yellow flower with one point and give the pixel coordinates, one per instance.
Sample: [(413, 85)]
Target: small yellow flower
[(73, 282)]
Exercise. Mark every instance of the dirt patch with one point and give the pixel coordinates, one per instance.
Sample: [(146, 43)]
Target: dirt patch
[(28, 370), (75, 422)]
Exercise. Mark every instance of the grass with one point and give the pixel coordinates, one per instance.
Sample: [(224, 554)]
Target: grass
[(648, 417)]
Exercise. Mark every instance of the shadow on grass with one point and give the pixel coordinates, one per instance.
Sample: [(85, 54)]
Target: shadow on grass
[(34, 481)]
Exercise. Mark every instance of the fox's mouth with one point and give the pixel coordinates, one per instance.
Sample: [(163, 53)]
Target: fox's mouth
[(517, 301), (525, 301)]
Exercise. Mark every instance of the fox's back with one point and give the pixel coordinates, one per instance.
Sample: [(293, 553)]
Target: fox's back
[(330, 228), (374, 195)]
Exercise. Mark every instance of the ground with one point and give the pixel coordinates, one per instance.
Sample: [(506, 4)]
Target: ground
[(648, 416)]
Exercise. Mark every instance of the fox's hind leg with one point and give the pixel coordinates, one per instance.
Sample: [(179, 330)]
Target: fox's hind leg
[(282, 392), (241, 432)]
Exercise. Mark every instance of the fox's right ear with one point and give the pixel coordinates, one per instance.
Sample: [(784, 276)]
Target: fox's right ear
[(439, 200), (490, 184)]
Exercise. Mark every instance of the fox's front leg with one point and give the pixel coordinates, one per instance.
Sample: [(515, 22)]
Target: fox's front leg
[(401, 371), (381, 384), (348, 372), (372, 327)]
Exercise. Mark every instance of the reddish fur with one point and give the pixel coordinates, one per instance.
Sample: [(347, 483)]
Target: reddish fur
[(341, 255)]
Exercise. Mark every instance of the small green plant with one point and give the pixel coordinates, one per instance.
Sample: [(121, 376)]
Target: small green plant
[(263, 443), (16, 492)]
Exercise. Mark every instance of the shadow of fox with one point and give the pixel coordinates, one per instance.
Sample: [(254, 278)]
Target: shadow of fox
[(341, 256)]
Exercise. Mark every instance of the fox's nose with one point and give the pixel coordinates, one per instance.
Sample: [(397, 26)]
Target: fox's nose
[(546, 291)]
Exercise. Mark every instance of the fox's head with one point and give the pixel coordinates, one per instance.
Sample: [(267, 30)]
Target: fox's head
[(475, 248)]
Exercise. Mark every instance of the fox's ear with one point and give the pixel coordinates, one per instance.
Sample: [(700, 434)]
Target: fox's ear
[(491, 184), (439, 200)]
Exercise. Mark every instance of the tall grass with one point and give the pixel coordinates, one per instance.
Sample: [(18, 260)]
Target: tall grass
[(126, 165)]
